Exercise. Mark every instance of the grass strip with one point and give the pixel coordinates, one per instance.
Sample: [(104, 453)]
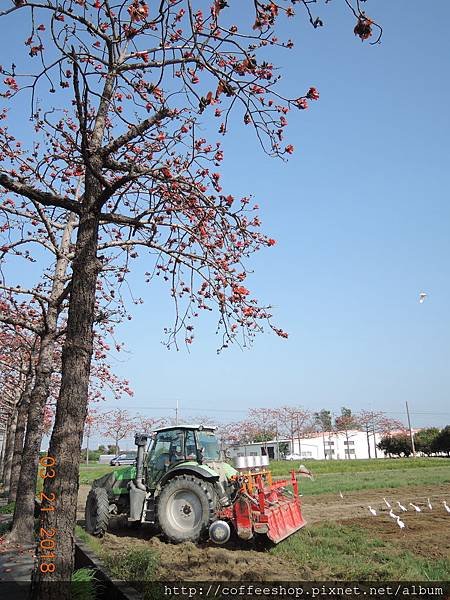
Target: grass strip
[(327, 483), (348, 552), (283, 467)]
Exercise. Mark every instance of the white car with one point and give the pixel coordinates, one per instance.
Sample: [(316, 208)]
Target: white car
[(293, 457)]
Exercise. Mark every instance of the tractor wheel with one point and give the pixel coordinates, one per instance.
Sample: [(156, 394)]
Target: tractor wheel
[(97, 512), (186, 508)]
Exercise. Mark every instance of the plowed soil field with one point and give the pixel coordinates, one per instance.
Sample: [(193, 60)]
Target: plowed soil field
[(426, 534)]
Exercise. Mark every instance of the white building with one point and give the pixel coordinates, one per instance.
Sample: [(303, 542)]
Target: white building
[(316, 446)]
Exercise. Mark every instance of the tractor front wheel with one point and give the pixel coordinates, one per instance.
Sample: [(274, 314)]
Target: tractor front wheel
[(97, 512), (186, 508)]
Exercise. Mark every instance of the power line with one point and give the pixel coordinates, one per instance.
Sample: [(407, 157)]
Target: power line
[(244, 411)]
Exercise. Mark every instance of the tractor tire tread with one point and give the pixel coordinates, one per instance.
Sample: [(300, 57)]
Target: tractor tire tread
[(209, 494), (99, 512)]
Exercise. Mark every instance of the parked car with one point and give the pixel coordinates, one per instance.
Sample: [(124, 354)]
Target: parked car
[(126, 458), (293, 457)]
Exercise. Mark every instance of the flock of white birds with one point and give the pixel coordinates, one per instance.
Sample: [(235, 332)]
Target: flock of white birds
[(403, 508)]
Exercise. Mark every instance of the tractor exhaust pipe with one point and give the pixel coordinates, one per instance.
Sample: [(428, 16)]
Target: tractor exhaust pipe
[(140, 439)]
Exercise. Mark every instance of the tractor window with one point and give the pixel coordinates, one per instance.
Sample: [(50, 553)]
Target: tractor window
[(166, 450), (208, 441), (190, 447)]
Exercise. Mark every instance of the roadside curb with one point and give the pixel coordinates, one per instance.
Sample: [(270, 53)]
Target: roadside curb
[(110, 588), (16, 567)]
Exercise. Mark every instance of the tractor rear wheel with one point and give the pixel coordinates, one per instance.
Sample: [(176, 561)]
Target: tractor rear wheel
[(186, 507), (97, 512)]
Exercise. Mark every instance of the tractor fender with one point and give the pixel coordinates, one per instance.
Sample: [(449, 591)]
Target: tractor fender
[(198, 470)]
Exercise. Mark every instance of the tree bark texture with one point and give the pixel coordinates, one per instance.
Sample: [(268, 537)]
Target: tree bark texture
[(9, 450), (71, 410), (22, 415), (23, 521)]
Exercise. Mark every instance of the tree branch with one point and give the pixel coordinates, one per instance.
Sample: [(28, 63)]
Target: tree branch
[(19, 323), (44, 198), (134, 131)]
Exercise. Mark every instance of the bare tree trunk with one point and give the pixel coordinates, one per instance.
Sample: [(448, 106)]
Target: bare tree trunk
[(71, 409), (2, 453), (23, 521), (7, 446), (374, 440), (17, 457), (9, 450), (299, 439)]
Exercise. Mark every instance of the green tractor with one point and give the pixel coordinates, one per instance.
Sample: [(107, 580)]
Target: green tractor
[(182, 486)]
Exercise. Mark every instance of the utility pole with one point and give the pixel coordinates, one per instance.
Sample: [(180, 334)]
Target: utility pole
[(411, 435), (176, 413)]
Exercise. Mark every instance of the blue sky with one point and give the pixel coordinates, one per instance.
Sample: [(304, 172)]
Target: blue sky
[(361, 215)]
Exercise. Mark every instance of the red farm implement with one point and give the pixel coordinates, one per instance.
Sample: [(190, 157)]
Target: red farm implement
[(264, 506)]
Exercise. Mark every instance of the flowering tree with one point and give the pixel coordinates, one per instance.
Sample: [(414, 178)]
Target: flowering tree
[(41, 310), (345, 423), (374, 422), (134, 82), (293, 420), (370, 421), (118, 424), (232, 433), (30, 332), (323, 421), (16, 375), (92, 423), (261, 424)]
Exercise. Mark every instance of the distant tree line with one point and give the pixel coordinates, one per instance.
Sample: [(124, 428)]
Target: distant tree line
[(431, 441), (293, 423)]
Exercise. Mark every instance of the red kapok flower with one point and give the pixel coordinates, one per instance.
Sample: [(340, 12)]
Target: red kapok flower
[(289, 149), (312, 94), (240, 290), (302, 103), (138, 11), (363, 28)]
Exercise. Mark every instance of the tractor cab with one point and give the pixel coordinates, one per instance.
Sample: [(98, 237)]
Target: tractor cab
[(173, 446)]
